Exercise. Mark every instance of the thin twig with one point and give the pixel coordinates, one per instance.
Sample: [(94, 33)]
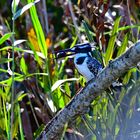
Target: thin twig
[(45, 16), (74, 21), (13, 80)]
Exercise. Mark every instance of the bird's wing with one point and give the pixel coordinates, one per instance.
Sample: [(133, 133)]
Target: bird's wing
[(94, 65)]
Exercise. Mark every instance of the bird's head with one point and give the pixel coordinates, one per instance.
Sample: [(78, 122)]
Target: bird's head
[(84, 48)]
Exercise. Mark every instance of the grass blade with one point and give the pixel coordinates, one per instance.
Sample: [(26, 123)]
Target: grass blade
[(110, 47), (25, 8), (124, 45), (59, 82), (14, 5), (38, 30), (87, 31), (20, 123), (5, 37)]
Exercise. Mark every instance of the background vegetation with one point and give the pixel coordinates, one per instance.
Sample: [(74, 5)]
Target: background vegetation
[(34, 85)]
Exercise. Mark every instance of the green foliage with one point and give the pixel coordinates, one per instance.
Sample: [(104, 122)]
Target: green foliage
[(24, 9), (38, 29), (60, 82), (20, 124), (14, 6), (23, 66), (123, 46), (5, 37), (87, 31), (112, 40), (34, 85)]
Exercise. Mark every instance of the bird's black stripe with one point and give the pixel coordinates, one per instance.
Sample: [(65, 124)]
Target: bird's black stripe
[(80, 60)]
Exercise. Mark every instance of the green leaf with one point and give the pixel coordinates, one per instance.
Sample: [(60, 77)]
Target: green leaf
[(6, 71), (38, 131), (131, 106), (25, 8), (17, 42), (5, 60), (20, 123), (5, 37), (112, 40), (127, 77), (87, 31), (59, 82), (34, 74), (59, 99), (23, 66), (133, 100), (128, 27), (18, 78), (117, 129), (21, 96), (124, 45), (14, 5), (38, 30), (39, 54), (122, 94), (112, 116)]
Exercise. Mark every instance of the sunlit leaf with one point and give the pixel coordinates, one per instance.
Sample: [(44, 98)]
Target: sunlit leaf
[(38, 30), (112, 40), (132, 103), (79, 2), (6, 116), (34, 74), (117, 129), (17, 42), (23, 50), (25, 8), (23, 66), (128, 75), (59, 97), (21, 96), (14, 5), (5, 37), (128, 27), (59, 82), (38, 131), (123, 46)]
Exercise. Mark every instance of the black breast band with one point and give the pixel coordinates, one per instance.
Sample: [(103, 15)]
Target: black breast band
[(80, 60)]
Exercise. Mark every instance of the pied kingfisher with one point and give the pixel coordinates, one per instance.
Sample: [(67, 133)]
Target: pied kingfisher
[(87, 66)]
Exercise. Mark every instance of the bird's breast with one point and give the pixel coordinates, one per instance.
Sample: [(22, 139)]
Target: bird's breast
[(81, 65)]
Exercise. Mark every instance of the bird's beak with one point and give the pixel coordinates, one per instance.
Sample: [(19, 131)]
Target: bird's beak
[(64, 53)]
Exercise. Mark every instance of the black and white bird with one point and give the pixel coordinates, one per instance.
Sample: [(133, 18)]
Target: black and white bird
[(87, 66)]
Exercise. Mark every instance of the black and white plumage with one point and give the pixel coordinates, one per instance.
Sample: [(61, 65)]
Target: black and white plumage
[(87, 66)]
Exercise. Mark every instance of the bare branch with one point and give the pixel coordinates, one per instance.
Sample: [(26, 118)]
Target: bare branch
[(80, 103)]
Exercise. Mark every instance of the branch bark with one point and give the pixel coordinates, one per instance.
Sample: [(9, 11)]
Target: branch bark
[(80, 103)]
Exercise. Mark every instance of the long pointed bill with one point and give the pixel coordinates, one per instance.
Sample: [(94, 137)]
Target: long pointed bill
[(79, 48), (64, 53)]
